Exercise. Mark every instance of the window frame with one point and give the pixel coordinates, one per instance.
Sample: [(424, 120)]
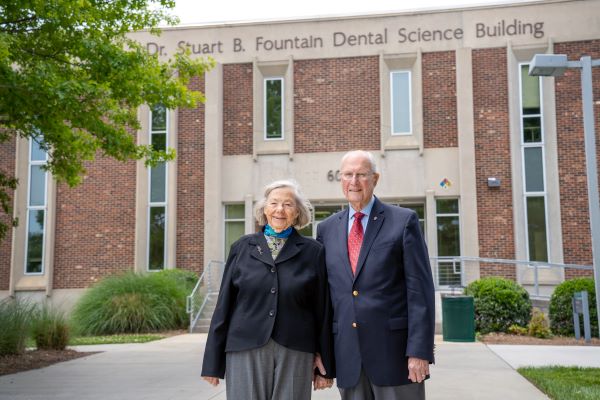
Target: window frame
[(164, 203), (410, 105), (460, 247), (525, 145), (227, 220), (43, 207), (265, 108)]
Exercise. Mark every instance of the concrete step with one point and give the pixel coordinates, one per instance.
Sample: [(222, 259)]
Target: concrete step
[(202, 325), (209, 309), (211, 302)]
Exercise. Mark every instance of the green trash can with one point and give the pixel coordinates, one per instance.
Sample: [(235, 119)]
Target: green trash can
[(458, 318)]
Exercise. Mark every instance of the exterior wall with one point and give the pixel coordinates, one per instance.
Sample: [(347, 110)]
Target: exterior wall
[(237, 109), (336, 104), (492, 159), (7, 166), (95, 225), (190, 185), (571, 156), (439, 100), (464, 99)]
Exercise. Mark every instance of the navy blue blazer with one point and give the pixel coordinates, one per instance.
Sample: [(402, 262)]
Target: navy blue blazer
[(390, 299), (286, 299)]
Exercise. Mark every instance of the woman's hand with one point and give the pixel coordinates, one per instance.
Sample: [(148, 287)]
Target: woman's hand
[(213, 380), (318, 363), (320, 382)]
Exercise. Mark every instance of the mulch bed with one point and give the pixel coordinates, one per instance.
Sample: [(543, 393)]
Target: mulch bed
[(503, 338), (33, 359)]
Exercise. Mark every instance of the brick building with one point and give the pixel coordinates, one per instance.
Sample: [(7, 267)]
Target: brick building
[(442, 98)]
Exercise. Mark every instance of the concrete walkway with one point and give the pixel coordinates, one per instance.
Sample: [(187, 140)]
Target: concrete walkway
[(170, 369), (539, 356)]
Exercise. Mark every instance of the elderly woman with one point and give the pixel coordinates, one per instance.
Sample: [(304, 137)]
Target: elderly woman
[(270, 335)]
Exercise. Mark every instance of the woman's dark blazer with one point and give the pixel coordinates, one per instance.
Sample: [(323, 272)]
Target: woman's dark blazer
[(286, 299)]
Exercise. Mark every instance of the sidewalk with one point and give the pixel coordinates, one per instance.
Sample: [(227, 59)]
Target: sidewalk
[(170, 369)]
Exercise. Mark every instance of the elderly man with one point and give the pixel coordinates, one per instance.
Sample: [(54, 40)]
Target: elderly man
[(381, 290)]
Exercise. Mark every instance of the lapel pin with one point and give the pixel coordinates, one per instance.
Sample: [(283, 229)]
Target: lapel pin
[(374, 218), (259, 250)]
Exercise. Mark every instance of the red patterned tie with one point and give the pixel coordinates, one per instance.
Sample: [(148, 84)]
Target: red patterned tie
[(355, 239)]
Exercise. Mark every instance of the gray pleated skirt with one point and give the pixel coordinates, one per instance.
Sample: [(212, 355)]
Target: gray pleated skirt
[(272, 372)]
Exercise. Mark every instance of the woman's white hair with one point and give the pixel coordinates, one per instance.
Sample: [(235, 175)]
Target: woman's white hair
[(303, 206)]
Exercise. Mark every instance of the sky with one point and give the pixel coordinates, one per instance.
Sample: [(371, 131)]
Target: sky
[(200, 12)]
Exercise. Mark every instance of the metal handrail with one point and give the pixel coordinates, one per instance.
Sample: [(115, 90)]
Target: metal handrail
[(205, 287), (461, 261)]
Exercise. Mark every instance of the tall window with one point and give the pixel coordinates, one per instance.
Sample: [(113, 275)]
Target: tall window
[(532, 145), (400, 101), (448, 242), (234, 224), (273, 108), (157, 206), (36, 209)]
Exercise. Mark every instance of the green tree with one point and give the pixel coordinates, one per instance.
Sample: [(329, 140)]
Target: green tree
[(72, 79)]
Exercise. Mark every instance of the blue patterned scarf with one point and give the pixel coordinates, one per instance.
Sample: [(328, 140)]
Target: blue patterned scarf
[(283, 234)]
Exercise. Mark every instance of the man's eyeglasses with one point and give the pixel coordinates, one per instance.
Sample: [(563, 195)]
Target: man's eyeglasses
[(362, 176)]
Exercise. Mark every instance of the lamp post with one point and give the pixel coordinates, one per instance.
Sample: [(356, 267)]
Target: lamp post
[(555, 65)]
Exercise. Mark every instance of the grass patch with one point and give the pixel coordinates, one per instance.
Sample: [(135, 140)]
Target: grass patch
[(107, 339), (565, 383), (114, 339)]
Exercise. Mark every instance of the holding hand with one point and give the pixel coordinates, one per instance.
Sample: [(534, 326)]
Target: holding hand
[(318, 364), (213, 380), (320, 382)]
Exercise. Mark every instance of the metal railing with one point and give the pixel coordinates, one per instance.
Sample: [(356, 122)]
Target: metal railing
[(207, 286), (451, 272)]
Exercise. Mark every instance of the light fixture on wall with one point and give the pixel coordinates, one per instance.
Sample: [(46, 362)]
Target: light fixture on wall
[(493, 182)]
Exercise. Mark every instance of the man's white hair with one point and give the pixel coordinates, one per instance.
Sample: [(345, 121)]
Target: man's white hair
[(365, 154)]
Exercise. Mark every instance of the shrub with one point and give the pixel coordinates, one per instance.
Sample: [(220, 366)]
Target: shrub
[(517, 330), (186, 280), (561, 309), (538, 325), (15, 324), (50, 329), (499, 303), (132, 303)]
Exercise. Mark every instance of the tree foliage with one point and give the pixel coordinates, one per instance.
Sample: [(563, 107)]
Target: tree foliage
[(72, 79)]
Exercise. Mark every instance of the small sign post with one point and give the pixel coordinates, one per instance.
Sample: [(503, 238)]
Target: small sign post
[(581, 306)]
